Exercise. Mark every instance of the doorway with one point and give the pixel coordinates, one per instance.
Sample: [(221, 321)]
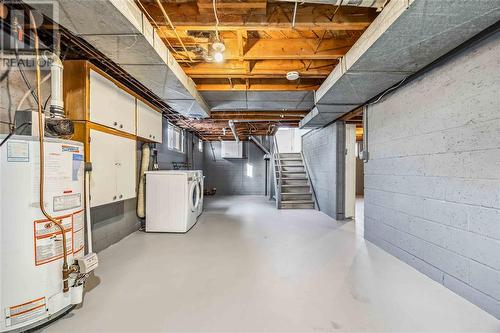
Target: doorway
[(354, 175)]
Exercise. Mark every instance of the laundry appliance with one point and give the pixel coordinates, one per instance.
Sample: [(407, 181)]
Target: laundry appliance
[(172, 200)]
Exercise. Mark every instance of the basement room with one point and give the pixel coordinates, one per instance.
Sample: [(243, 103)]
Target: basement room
[(249, 166)]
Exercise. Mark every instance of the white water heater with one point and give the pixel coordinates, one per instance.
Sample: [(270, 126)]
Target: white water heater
[(31, 257)]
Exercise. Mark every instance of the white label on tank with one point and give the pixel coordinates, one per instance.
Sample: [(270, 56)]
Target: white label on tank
[(78, 234), (48, 240), (18, 151), (21, 313), (58, 177), (65, 202)]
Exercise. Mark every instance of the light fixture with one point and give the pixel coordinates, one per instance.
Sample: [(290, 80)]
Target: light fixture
[(219, 49), (218, 46), (292, 75)]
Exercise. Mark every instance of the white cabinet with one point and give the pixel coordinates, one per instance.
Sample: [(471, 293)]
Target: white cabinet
[(111, 106), (113, 176), (149, 123), (231, 149)]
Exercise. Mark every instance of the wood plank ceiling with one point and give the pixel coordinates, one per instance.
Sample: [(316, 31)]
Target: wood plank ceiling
[(264, 41)]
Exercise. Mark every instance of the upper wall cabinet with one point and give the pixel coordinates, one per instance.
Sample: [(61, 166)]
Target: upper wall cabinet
[(111, 106), (149, 123)]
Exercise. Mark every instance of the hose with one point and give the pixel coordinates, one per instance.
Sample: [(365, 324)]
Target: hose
[(65, 268), (142, 178)]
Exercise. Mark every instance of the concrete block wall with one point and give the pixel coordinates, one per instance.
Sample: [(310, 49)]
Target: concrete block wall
[(432, 184), (111, 223), (229, 176), (323, 157)]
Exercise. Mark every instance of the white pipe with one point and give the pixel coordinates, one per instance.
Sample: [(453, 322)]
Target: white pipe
[(233, 129), (142, 177), (87, 212), (56, 99)]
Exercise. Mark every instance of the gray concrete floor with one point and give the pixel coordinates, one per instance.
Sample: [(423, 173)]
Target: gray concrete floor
[(249, 267)]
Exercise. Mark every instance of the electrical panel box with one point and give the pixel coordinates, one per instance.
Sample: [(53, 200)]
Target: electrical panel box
[(231, 149)]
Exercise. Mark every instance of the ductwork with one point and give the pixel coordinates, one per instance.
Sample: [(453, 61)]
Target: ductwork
[(233, 130), (391, 49), (119, 30), (56, 82)]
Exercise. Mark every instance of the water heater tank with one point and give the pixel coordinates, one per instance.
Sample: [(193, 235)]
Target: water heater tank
[(31, 289)]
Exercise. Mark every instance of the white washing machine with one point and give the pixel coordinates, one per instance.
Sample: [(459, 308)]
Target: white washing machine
[(201, 181), (172, 200)]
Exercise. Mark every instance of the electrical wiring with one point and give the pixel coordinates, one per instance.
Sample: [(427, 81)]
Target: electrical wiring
[(388, 91), (214, 3), (23, 75), (14, 132)]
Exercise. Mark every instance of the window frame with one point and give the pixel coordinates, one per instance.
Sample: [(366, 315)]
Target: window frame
[(176, 138)]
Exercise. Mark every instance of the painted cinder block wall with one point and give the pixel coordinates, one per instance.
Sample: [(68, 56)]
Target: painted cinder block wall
[(323, 153), (432, 184), (229, 176)]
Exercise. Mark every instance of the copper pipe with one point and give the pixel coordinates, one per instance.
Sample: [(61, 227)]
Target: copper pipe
[(173, 28), (41, 134)]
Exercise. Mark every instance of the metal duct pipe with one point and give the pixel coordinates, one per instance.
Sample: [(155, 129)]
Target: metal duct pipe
[(233, 129), (379, 4), (56, 82), (258, 144)]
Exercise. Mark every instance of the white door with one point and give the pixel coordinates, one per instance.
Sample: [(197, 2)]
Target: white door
[(103, 176), (149, 123), (290, 139), (126, 158), (350, 170), (111, 106)]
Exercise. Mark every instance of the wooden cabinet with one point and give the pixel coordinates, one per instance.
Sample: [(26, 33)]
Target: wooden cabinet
[(104, 115), (110, 105), (113, 175), (149, 123)]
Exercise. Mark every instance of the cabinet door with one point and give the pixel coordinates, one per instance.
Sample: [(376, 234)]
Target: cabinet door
[(126, 157), (103, 176), (111, 106), (149, 123)]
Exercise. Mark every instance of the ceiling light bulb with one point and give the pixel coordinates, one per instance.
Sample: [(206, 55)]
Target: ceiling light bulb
[(292, 75), (218, 56), (219, 49)]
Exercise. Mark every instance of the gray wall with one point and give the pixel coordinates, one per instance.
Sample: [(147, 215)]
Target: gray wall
[(323, 150), (191, 155), (432, 185), (229, 176), (111, 223)]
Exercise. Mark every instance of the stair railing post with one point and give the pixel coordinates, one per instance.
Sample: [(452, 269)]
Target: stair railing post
[(280, 182), (310, 181)]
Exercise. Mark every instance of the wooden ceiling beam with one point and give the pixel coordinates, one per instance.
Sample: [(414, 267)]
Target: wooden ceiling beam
[(187, 16), (255, 87), (260, 69)]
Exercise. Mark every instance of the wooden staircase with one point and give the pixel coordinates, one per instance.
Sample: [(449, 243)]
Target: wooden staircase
[(294, 187)]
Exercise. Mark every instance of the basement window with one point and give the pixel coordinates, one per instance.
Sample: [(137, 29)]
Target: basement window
[(176, 138)]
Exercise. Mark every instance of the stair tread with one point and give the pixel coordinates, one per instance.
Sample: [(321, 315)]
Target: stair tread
[(292, 165), (282, 171), (301, 185), (297, 201), (296, 193)]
